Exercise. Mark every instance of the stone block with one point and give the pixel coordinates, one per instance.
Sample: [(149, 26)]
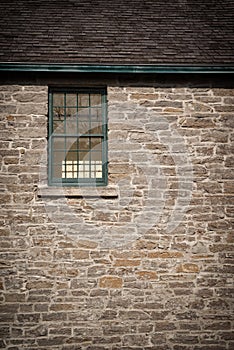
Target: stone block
[(188, 268), (30, 109), (80, 254), (7, 109), (30, 97), (126, 262), (147, 275), (110, 282), (196, 122), (28, 318), (135, 339)]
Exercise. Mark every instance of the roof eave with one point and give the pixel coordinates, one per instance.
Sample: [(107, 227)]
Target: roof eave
[(133, 68)]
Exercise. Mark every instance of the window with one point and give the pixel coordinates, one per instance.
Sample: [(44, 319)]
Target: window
[(77, 137)]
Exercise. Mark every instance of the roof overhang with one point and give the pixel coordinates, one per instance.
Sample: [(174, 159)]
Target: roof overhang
[(80, 68)]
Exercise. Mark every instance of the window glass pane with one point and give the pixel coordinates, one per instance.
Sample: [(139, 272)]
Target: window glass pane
[(96, 114), (83, 156), (96, 143), (72, 143), (83, 121), (58, 99), (84, 127), (98, 169), (71, 100), (83, 113), (84, 143), (71, 112), (58, 157), (58, 113), (58, 143), (71, 121), (83, 169), (58, 126), (70, 168), (83, 100), (96, 156), (95, 99), (71, 155), (96, 128), (57, 171)]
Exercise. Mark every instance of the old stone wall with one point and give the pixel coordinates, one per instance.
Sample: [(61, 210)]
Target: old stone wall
[(145, 263)]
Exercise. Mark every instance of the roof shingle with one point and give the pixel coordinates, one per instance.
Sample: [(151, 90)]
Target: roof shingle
[(111, 32)]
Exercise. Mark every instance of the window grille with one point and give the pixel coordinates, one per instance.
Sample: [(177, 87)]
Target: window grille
[(77, 137)]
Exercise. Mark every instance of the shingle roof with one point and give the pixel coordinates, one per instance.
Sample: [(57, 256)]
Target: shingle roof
[(117, 32)]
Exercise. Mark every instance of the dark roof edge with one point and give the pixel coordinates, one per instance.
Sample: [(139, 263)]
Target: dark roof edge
[(81, 68)]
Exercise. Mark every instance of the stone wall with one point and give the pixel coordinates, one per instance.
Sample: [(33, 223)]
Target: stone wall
[(145, 263)]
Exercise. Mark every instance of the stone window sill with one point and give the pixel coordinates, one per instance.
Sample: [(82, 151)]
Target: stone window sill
[(77, 192)]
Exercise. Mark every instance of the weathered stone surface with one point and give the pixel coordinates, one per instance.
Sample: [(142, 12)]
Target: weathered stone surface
[(127, 262), (73, 286), (188, 267), (147, 275), (164, 255), (110, 282), (197, 122)]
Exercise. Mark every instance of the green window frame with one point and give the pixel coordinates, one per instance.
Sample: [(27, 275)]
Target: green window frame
[(77, 130)]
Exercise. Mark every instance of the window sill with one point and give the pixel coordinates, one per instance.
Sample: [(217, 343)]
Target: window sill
[(77, 192)]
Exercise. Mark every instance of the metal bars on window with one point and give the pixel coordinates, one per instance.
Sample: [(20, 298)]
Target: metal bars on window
[(77, 137)]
